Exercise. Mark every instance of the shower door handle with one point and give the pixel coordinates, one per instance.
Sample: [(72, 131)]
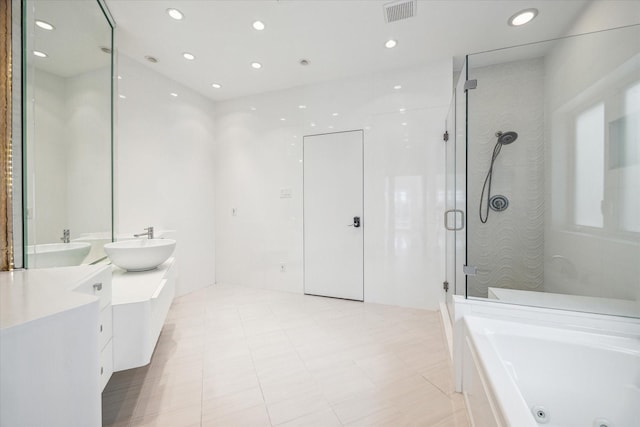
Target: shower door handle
[(446, 219)]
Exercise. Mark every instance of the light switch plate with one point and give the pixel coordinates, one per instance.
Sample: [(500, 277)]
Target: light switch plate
[(285, 193)]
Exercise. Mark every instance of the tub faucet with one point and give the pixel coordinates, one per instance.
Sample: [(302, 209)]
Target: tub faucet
[(149, 233), (65, 236)]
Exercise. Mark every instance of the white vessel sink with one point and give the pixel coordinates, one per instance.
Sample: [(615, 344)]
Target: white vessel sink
[(140, 254), (57, 254)]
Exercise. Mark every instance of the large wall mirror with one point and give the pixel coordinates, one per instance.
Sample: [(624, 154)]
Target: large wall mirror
[(67, 95)]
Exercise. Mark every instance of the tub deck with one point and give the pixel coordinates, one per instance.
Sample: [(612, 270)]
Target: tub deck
[(519, 374)]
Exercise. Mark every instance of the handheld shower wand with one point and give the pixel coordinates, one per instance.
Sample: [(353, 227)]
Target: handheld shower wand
[(505, 138)]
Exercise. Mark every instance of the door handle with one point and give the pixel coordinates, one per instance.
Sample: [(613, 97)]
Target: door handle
[(356, 222), (446, 220)]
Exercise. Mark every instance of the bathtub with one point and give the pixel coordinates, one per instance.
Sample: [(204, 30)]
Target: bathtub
[(518, 374)]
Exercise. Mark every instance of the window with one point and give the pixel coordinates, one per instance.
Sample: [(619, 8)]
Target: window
[(628, 147), (607, 164), (589, 167)]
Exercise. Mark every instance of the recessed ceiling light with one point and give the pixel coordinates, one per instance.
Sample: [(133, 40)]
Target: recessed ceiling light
[(40, 54), (330, 126), (282, 119), (312, 124), (397, 87), (522, 17), (189, 56), (335, 114), (390, 44), (256, 65), (175, 14), (252, 108), (173, 94), (44, 25), (216, 85), (402, 110), (302, 107), (119, 77), (404, 123), (258, 25), (122, 97)]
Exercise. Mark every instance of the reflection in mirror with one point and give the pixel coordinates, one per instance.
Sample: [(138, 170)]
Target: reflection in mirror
[(570, 235), (67, 181)]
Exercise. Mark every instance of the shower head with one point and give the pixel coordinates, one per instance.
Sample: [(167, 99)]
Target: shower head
[(506, 138)]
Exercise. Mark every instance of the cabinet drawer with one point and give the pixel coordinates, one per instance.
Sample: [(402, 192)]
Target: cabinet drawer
[(106, 365), (106, 327), (98, 284)]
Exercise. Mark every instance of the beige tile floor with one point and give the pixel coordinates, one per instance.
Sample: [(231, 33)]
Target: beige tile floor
[(235, 356)]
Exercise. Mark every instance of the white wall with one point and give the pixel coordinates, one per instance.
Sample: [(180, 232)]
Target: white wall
[(165, 167), (89, 152), (46, 155), (259, 154), (68, 155)]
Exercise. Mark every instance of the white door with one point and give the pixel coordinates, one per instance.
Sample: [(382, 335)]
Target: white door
[(333, 215)]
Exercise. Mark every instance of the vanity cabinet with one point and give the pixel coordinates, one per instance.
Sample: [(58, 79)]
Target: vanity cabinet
[(55, 343), (105, 331), (100, 286), (141, 301)]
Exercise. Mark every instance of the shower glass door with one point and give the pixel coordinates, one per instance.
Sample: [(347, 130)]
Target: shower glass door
[(450, 208), (455, 194)]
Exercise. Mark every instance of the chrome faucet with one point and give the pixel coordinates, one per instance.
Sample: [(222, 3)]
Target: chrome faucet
[(149, 233), (66, 236)]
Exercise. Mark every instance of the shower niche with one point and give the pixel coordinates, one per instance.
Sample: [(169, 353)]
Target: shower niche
[(552, 216)]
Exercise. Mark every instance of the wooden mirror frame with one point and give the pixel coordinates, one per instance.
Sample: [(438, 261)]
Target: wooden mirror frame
[(6, 217)]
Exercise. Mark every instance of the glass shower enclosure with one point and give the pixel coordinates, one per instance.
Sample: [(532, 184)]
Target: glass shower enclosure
[(543, 175)]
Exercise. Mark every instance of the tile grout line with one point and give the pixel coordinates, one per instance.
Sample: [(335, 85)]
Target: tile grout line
[(253, 362), (204, 345), (371, 327)]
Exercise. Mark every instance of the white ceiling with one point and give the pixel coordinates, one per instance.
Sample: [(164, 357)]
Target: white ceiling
[(68, 54), (340, 38)]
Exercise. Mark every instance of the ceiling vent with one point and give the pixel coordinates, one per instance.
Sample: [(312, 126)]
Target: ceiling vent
[(402, 9)]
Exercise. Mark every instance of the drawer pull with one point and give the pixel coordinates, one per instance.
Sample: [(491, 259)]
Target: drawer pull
[(100, 328), (101, 370), (97, 287)]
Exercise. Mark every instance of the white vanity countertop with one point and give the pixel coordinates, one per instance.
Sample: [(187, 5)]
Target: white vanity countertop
[(137, 286), (28, 295)]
